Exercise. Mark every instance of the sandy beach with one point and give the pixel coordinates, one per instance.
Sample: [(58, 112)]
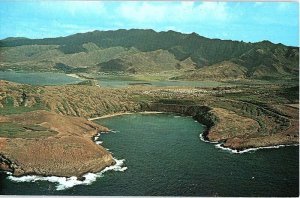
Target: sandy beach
[(124, 113), (75, 76)]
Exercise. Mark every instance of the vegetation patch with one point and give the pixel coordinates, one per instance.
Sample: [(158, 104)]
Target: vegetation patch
[(176, 101), (16, 130), (9, 110)]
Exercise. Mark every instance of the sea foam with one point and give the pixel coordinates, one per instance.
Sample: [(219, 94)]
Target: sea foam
[(5, 172), (68, 182), (204, 140), (220, 146), (98, 142), (97, 138)]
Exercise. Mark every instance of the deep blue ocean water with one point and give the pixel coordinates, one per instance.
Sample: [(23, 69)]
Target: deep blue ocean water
[(165, 156)]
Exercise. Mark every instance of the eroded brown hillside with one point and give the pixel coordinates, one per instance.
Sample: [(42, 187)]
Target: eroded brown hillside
[(67, 151)]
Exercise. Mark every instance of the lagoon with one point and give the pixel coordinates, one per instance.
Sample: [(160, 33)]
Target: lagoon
[(54, 78), (38, 78), (115, 83)]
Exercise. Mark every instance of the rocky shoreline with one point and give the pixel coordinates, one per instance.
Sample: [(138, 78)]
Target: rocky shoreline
[(68, 151), (123, 113), (223, 127)]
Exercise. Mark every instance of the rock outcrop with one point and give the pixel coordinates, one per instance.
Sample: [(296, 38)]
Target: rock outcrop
[(232, 130), (68, 151)]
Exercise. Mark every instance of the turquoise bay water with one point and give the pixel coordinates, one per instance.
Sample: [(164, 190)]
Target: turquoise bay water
[(38, 78), (165, 156)]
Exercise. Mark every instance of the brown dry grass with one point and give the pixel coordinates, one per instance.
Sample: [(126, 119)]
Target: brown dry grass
[(70, 152), (231, 125)]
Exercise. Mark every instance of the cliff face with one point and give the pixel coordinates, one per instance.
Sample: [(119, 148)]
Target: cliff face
[(6, 164), (200, 113), (230, 129), (62, 145)]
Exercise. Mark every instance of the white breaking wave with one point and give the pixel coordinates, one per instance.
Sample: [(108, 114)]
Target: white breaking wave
[(68, 182), (75, 76), (207, 141), (6, 172), (219, 146), (97, 137), (99, 142)]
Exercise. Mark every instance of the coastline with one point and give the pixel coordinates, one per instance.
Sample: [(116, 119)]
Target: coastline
[(217, 121), (203, 136), (69, 182), (247, 150), (124, 113), (219, 145), (93, 134), (64, 182), (109, 115), (19, 155), (75, 76)]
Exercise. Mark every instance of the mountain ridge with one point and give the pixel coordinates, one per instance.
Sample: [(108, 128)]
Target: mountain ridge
[(168, 31), (259, 59)]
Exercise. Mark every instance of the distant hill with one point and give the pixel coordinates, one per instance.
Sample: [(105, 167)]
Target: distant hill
[(153, 61), (219, 71), (141, 51)]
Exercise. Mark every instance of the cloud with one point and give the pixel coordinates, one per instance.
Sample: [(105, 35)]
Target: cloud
[(142, 12), (74, 8), (217, 11), (283, 6), (256, 4), (175, 12)]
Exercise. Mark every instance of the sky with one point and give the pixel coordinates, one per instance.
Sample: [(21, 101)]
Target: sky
[(246, 21)]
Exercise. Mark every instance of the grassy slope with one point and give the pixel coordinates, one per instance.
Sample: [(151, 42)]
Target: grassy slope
[(16, 130)]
